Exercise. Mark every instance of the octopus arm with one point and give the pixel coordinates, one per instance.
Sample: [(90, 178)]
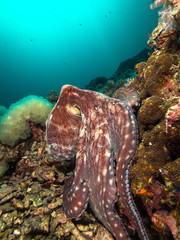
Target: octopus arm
[(129, 145), (114, 222), (76, 191), (102, 184), (75, 198), (128, 95)]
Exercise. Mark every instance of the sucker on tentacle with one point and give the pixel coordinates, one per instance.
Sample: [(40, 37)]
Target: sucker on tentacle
[(102, 133)]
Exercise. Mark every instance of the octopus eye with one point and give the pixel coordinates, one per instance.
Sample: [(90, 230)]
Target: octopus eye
[(75, 110)]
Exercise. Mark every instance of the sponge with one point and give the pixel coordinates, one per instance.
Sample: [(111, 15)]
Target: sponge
[(14, 124)]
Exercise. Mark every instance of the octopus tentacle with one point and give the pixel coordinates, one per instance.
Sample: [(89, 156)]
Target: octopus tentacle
[(103, 190), (74, 202), (115, 224), (128, 95), (129, 138), (97, 166), (103, 196), (76, 191)]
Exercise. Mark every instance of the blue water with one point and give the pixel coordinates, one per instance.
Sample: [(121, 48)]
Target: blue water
[(46, 44)]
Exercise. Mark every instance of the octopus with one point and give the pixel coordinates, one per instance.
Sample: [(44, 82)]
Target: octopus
[(102, 133)]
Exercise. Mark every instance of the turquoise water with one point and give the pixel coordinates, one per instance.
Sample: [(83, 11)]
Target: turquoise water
[(46, 44)]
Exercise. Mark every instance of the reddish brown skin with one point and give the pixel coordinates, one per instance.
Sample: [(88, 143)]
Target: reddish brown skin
[(102, 134), (128, 95)]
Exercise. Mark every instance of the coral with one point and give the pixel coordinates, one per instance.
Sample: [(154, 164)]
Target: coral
[(52, 97), (9, 154), (165, 3), (152, 111), (159, 76), (14, 124), (167, 31), (36, 131), (158, 3), (158, 86), (111, 86), (158, 196), (162, 219), (173, 115), (171, 172), (158, 83)]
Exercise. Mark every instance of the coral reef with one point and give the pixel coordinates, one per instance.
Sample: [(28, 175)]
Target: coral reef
[(126, 68), (125, 71), (166, 33), (157, 159)]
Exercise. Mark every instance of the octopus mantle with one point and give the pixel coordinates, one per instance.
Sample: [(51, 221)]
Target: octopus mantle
[(102, 133)]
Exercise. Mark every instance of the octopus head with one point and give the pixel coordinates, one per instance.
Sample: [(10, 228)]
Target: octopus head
[(63, 124)]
